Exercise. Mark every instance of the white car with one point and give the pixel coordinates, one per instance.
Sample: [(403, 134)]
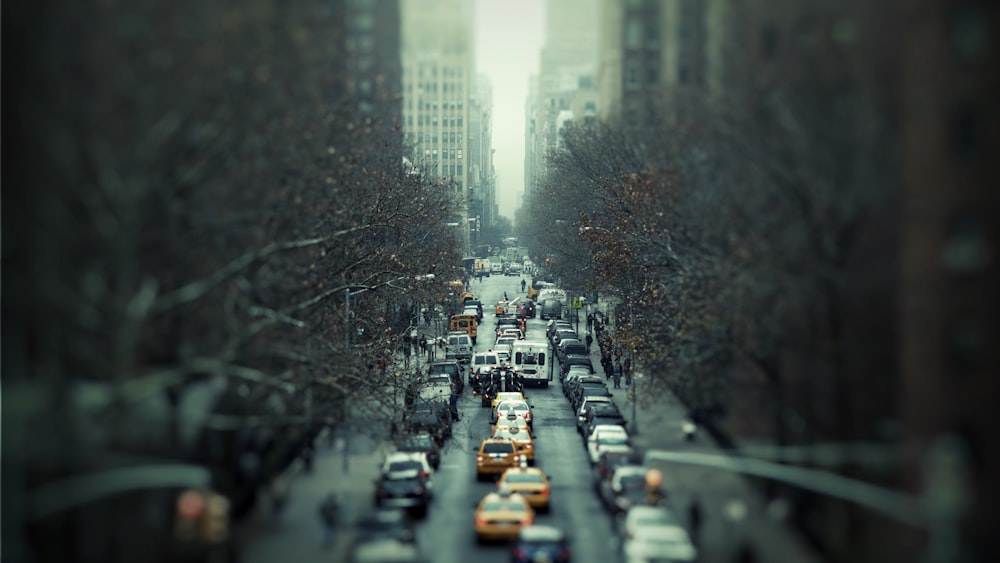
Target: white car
[(654, 533), (399, 465), (605, 437)]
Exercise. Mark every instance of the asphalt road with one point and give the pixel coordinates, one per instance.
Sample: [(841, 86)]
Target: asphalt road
[(447, 535)]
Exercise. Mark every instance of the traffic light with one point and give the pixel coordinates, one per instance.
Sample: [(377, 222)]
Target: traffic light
[(202, 516)]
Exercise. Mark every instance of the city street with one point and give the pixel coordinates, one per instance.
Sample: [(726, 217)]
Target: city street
[(446, 536)]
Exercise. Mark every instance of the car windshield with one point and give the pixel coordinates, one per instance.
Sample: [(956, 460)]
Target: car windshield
[(633, 482), (498, 448), (418, 443), (404, 466), (613, 440), (503, 505), (523, 478)]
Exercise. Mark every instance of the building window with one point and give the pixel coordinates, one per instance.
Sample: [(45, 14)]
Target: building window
[(452, 154), (459, 122), (633, 34), (768, 41), (970, 33), (459, 169), (444, 138), (460, 154), (632, 76), (434, 120), (653, 74), (965, 132), (420, 120), (460, 137), (966, 251), (652, 35)]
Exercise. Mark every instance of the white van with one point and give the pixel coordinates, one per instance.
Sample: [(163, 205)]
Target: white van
[(528, 360), (458, 347), (485, 360)]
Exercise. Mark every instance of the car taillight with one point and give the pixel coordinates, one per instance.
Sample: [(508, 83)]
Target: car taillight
[(480, 521), (424, 474), (545, 491), (526, 521), (527, 416)]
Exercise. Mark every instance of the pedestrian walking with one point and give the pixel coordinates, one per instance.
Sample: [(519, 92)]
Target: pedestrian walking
[(423, 345), (523, 285), (590, 323), (590, 341), (618, 375), (606, 364), (694, 519), (328, 510)]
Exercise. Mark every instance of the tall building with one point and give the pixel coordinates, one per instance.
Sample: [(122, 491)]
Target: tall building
[(482, 178), (438, 81), (565, 83), (651, 52)]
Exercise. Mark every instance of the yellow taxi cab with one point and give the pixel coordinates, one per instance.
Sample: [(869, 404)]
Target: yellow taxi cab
[(501, 308), (495, 456), (529, 482), (506, 396), (500, 515), (521, 437)]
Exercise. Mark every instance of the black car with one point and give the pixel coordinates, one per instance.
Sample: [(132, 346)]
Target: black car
[(385, 523), (403, 489), (575, 360), (571, 346), (430, 421), (540, 543), (424, 443), (529, 309), (551, 309), (587, 390)]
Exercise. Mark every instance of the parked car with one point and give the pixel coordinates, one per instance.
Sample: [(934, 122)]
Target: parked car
[(540, 543), (424, 443), (552, 309)]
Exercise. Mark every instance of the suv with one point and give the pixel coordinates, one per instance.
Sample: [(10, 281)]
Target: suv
[(458, 347)]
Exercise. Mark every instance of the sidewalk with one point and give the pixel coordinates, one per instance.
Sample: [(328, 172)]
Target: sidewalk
[(733, 514), (294, 534)]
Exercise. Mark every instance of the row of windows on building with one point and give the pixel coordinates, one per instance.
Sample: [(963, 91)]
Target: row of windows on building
[(433, 120), (446, 138), (431, 71), (446, 154), (447, 105), (432, 88)]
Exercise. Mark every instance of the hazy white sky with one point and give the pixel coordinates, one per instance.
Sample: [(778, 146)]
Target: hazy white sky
[(509, 38)]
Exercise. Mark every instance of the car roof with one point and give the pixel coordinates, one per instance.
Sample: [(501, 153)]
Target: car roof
[(406, 456), (541, 533)]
